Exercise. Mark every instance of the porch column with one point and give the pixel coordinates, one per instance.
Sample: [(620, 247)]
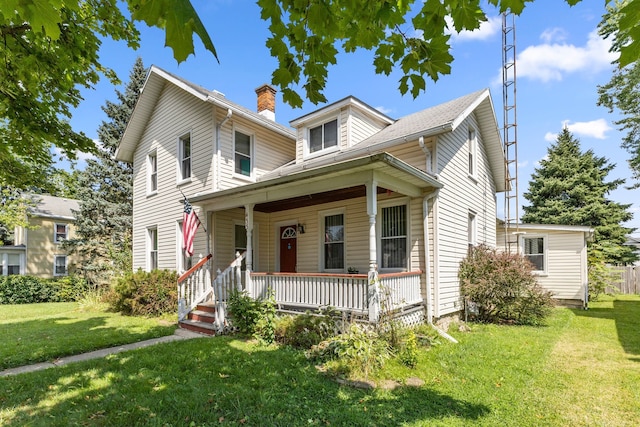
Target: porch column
[(374, 291), (248, 224)]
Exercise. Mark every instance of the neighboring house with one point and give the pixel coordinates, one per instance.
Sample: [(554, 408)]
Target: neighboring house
[(346, 189), (635, 243), (37, 251), (559, 256)]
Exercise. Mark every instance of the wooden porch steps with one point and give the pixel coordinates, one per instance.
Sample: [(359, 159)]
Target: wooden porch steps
[(201, 320)]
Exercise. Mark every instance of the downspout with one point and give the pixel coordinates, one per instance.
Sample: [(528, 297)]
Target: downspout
[(217, 165), (427, 263)]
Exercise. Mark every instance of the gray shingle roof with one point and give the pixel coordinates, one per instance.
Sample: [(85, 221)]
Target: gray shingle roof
[(54, 207)]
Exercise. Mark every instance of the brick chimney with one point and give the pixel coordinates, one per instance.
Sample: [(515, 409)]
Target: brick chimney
[(267, 101)]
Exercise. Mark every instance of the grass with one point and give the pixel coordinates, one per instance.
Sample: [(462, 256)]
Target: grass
[(581, 369), (33, 333)]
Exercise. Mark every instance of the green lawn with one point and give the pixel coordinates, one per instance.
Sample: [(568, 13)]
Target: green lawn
[(31, 333), (582, 369)]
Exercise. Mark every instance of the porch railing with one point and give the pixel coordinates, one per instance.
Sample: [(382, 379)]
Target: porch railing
[(194, 286), (313, 290), (226, 281), (400, 289)]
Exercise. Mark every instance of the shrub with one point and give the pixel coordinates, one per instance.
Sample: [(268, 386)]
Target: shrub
[(503, 287), (356, 352), (244, 311), (17, 289), (306, 330), (145, 293), (409, 354), (265, 326)]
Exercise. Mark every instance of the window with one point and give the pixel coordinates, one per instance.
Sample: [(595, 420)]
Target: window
[(323, 136), (334, 242), (240, 242), (60, 265), (152, 165), (243, 148), (534, 248), (60, 233), (394, 237), (473, 143), (471, 230), (152, 245), (184, 155), (10, 263)]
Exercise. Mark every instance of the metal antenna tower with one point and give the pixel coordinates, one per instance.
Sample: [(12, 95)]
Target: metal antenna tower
[(510, 131)]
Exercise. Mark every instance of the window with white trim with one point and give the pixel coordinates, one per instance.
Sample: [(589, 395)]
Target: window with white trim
[(393, 237), (60, 232), (243, 153), (11, 264), (333, 251), (323, 136), (473, 149), (152, 172), (60, 265), (472, 233), (152, 249), (240, 242), (534, 249), (184, 156)]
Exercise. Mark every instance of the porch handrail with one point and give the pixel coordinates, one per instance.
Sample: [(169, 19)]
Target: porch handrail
[(226, 281), (194, 286)]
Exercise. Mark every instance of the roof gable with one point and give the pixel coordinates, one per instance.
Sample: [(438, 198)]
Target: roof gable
[(154, 84)]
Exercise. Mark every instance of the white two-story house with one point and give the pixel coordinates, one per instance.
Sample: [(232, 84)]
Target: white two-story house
[(345, 207)]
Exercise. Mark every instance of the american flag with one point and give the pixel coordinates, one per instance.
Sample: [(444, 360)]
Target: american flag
[(190, 224)]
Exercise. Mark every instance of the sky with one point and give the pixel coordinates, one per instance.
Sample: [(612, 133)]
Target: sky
[(560, 61)]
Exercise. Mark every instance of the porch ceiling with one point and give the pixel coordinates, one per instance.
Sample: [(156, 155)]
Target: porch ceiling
[(315, 199)]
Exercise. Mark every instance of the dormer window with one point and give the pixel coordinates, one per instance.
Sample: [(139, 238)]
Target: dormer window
[(323, 136)]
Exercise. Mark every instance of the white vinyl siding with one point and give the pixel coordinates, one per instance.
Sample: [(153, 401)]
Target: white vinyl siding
[(456, 199)]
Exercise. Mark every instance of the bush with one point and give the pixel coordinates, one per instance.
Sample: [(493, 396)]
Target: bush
[(409, 354), (265, 326), (244, 311), (306, 330), (17, 289), (503, 287), (145, 293), (357, 352)]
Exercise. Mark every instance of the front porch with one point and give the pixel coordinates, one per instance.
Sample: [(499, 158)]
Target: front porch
[(357, 296)]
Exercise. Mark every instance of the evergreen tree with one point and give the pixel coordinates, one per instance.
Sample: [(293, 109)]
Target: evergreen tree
[(104, 222), (570, 188)]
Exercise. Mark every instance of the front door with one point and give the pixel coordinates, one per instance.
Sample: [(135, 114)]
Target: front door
[(288, 249)]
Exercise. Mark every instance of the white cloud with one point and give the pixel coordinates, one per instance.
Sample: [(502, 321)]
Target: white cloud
[(553, 35), (594, 129), (554, 60), (487, 29)]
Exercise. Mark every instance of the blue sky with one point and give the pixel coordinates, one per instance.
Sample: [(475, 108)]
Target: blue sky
[(560, 62)]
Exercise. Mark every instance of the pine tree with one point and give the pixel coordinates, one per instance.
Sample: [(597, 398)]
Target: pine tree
[(569, 187), (104, 222)]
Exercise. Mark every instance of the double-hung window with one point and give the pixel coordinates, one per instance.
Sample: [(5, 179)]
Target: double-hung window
[(333, 242), (185, 262), (10, 263), (152, 249), (184, 156), (152, 172), (243, 154), (323, 136), (473, 149), (60, 265), (534, 250), (60, 233), (393, 237), (472, 229), (240, 242)]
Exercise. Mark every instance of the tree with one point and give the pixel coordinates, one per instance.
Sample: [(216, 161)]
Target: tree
[(50, 48), (622, 93), (569, 187), (105, 189)]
